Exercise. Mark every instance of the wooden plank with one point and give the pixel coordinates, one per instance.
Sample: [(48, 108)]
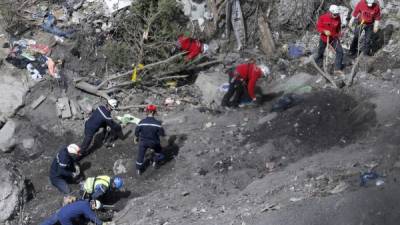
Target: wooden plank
[(38, 101)]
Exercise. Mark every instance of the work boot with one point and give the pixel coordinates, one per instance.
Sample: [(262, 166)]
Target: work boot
[(139, 172)]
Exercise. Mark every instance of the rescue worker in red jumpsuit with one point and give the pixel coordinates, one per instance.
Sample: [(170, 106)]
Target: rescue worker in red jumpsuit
[(243, 78), (192, 46), (366, 16), (329, 25)]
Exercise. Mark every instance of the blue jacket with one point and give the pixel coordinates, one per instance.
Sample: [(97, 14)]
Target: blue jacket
[(63, 164), (75, 210), (101, 117), (149, 130)]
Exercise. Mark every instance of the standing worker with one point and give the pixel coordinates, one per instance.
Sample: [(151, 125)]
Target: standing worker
[(98, 186), (366, 16), (74, 211), (243, 78), (329, 25), (64, 169), (101, 118), (192, 46), (148, 133)]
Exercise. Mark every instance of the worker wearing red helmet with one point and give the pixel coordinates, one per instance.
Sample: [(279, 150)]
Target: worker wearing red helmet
[(329, 25), (192, 46), (148, 133), (366, 16)]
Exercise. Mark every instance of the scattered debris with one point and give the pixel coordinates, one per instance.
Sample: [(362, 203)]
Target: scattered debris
[(38, 101), (339, 188), (365, 177), (63, 108)]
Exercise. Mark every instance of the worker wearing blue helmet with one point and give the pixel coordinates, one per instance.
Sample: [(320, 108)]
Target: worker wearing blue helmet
[(96, 187)]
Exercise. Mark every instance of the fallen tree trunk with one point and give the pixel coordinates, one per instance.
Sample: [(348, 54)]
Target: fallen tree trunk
[(84, 86)]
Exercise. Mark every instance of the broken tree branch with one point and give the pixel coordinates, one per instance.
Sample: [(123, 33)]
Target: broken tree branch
[(323, 74), (116, 76), (353, 70)]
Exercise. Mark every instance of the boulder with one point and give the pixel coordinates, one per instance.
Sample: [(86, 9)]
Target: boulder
[(209, 85), (12, 184), (7, 139), (12, 92), (295, 84)]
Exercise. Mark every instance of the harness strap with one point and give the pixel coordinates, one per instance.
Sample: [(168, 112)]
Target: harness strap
[(59, 163)]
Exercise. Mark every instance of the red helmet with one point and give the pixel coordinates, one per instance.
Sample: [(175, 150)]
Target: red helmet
[(151, 108)]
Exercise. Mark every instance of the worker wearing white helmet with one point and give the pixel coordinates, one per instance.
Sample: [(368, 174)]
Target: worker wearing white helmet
[(366, 16), (329, 26), (64, 168), (242, 79), (101, 118)]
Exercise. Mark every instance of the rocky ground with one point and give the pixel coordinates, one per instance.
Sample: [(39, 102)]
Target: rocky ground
[(239, 166)]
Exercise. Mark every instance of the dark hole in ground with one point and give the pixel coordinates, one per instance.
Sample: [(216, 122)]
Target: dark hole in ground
[(322, 120)]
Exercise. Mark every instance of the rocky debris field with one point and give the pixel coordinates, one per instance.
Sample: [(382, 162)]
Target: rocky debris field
[(253, 165)]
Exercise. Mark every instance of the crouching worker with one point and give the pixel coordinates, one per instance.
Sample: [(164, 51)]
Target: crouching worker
[(192, 46), (64, 169), (148, 133), (243, 78), (74, 212), (101, 118), (96, 187)]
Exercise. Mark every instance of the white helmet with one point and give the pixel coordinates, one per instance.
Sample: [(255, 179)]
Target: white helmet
[(73, 149), (205, 48), (265, 70), (334, 9), (96, 204), (370, 2), (113, 103)]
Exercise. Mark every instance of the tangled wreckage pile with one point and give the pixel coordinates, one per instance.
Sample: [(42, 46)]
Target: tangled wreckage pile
[(304, 141)]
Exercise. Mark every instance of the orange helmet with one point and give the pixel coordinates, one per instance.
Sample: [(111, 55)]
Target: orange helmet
[(151, 108)]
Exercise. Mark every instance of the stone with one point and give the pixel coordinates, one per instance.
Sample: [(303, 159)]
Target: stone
[(28, 143), (12, 184), (209, 85), (120, 166), (7, 139), (75, 110), (267, 118)]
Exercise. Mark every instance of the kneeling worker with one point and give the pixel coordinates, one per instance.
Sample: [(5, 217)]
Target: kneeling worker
[(148, 133), (64, 168), (74, 211), (97, 186)]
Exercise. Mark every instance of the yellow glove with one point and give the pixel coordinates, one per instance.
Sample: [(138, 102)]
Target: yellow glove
[(327, 32)]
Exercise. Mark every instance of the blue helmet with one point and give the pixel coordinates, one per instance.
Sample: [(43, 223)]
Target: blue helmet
[(118, 182)]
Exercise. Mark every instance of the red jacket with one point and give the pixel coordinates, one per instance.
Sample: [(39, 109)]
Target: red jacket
[(367, 14), (327, 22), (192, 46), (249, 73)]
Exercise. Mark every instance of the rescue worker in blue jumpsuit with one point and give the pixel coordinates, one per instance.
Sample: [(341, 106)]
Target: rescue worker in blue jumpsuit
[(74, 211), (148, 133), (101, 118), (64, 168)]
